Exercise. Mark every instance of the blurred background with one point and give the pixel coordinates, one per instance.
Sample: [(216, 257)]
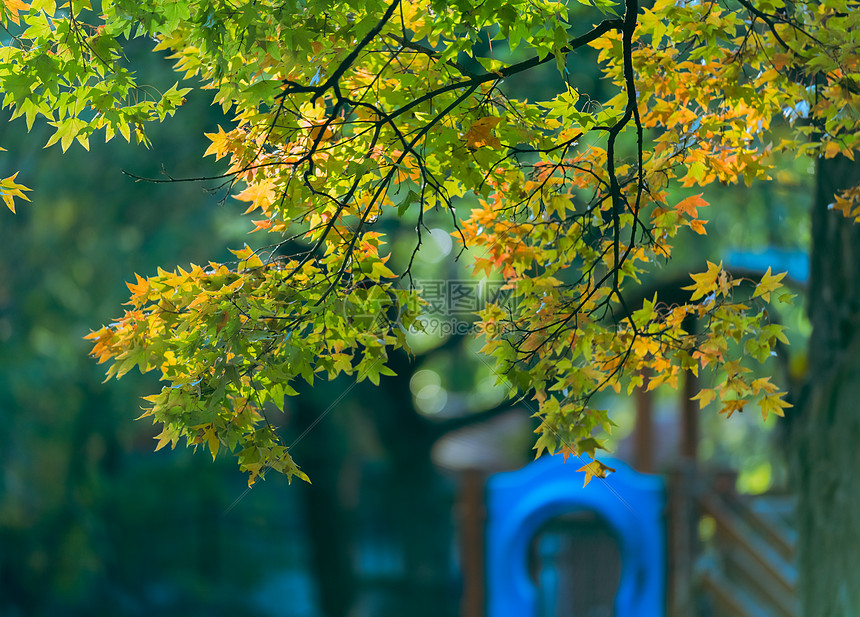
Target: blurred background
[(93, 522)]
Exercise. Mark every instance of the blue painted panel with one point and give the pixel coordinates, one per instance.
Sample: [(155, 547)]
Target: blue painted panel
[(520, 502), (795, 262)]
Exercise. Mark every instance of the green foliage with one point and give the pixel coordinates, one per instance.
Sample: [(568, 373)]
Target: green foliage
[(349, 115)]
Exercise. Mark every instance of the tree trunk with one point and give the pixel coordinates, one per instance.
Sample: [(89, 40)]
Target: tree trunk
[(420, 505), (414, 505), (330, 525), (827, 427)]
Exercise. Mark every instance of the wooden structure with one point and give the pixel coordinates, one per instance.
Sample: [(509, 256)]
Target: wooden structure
[(727, 555)]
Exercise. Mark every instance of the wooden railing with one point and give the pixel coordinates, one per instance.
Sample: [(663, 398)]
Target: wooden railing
[(746, 567)]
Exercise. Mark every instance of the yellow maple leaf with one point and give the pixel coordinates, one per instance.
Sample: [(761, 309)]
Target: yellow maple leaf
[(260, 194), (733, 405), (9, 190), (219, 143), (595, 469), (140, 287), (705, 396), (773, 404), (705, 282), (213, 441), (769, 282), (763, 383)]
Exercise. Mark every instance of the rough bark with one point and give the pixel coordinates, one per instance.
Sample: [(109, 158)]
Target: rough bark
[(827, 427)]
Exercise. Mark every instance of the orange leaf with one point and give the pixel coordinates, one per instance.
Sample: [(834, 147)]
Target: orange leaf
[(13, 7), (698, 225), (481, 133), (780, 60), (690, 205), (831, 149), (322, 128)]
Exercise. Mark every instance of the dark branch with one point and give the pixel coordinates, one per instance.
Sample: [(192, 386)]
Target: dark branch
[(347, 62)]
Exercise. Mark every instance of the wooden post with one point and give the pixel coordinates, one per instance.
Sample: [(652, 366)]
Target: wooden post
[(683, 540), (683, 507), (472, 515), (689, 446), (643, 433)]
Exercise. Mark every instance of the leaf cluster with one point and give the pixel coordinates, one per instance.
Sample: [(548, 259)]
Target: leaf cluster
[(350, 115)]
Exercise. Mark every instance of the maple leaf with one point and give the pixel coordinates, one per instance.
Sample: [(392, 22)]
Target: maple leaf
[(773, 404), (705, 396), (481, 133), (9, 190), (261, 224), (690, 206), (317, 152), (831, 149), (320, 132), (566, 451), (698, 225), (763, 383), (769, 282), (212, 439), (218, 146), (705, 282), (733, 405), (780, 61), (589, 445), (261, 195), (595, 469), (14, 7)]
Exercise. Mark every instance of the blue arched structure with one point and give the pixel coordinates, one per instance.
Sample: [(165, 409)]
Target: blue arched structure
[(520, 502)]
